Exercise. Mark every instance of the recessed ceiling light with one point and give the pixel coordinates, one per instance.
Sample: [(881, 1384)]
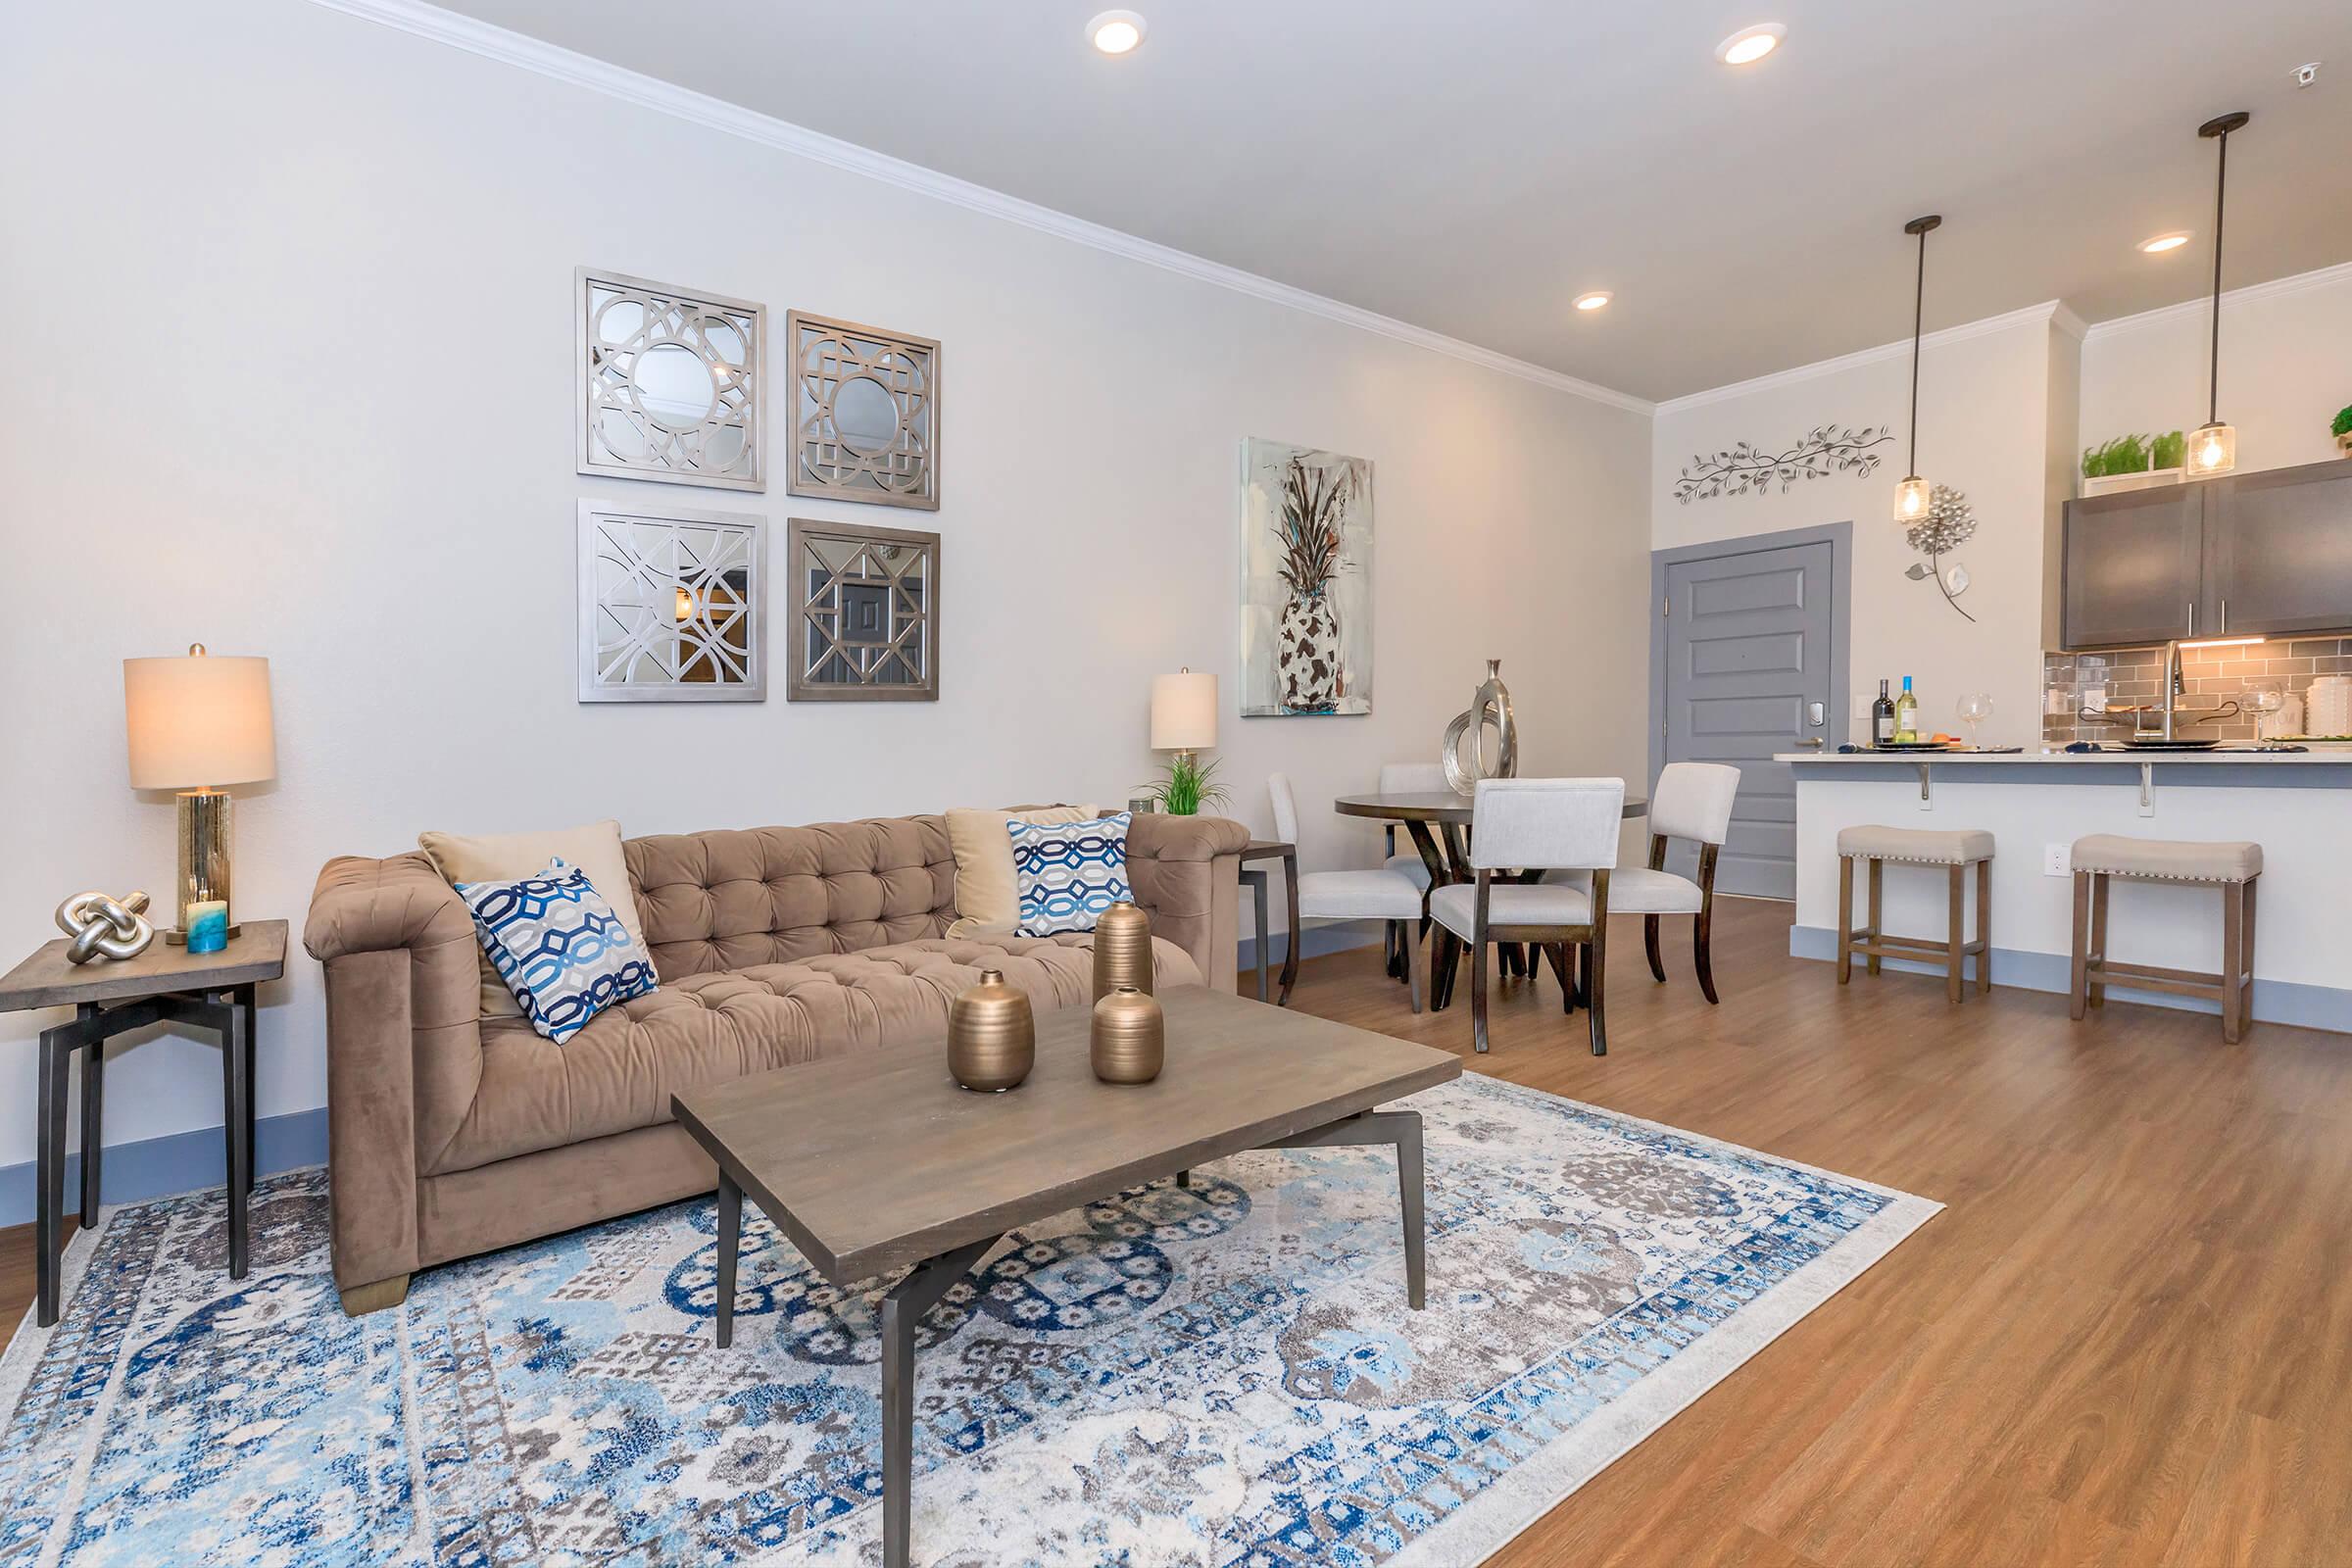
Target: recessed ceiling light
[(1115, 32), (2164, 242), (1750, 44), (1593, 301)]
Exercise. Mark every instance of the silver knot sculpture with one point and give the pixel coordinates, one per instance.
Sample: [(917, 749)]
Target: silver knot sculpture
[(102, 928), (1489, 705)]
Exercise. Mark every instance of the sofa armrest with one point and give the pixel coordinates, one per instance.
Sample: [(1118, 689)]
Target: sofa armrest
[(402, 1036), (1185, 872)]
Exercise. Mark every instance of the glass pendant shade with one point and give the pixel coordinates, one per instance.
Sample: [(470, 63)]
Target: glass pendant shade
[(2213, 449), (1911, 499)]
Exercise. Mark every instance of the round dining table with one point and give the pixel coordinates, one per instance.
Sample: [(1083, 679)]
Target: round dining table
[(1439, 821)]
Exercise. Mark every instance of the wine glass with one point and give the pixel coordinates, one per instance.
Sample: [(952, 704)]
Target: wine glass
[(2263, 698), (1974, 708)]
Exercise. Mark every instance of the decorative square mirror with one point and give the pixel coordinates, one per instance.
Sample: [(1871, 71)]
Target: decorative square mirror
[(866, 412), (866, 617), (668, 382), (671, 607)]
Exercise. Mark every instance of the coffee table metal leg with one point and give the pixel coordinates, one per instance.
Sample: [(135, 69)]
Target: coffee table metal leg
[(902, 1309), (730, 1239), (1402, 1128), (93, 1117)]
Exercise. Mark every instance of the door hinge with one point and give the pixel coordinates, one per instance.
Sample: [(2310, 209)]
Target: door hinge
[(1661, 729), (1666, 608)]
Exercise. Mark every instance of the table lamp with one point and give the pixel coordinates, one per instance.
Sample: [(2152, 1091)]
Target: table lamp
[(195, 724), (1183, 712)]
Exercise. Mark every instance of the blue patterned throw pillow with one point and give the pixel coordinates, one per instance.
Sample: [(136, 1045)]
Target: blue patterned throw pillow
[(559, 947), (1069, 872)]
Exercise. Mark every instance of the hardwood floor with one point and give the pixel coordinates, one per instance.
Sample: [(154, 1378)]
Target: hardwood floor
[(2127, 1341)]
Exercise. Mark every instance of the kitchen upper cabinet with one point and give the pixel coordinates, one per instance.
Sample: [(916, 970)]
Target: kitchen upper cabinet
[(2266, 554), (2280, 558), (2134, 566)]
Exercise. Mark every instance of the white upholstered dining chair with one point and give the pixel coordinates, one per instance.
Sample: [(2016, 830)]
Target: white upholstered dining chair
[(1369, 895), (1692, 800), (1547, 825)]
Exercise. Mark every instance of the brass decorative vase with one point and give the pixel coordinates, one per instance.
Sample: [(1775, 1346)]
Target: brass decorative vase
[(1130, 1037), (1122, 949), (992, 1035)]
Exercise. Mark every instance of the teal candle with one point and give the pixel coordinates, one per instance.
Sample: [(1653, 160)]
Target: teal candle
[(208, 926)]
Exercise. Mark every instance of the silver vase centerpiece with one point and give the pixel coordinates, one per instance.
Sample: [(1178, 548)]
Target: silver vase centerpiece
[(1490, 706)]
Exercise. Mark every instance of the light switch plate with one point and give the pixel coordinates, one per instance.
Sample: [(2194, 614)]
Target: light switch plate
[(2058, 860)]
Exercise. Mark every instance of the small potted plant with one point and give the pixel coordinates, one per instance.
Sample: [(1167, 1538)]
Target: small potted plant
[(2133, 462), (2343, 432)]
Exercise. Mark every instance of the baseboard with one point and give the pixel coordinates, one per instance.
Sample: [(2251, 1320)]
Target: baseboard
[(2274, 1001), (1314, 942), (177, 1162)]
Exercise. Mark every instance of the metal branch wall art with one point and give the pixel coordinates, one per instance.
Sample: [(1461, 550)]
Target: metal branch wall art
[(1950, 522), (1748, 471)]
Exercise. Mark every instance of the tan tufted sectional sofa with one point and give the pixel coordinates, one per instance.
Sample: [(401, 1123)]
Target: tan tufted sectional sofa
[(450, 1133)]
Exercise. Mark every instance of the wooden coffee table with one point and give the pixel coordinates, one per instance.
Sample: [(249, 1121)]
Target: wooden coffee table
[(878, 1162)]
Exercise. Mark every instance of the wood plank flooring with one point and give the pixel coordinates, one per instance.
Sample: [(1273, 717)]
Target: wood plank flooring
[(2128, 1339)]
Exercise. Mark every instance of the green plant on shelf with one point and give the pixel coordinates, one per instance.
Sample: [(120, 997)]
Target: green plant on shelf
[(2126, 454), (2168, 451), (2343, 423), (1190, 785)]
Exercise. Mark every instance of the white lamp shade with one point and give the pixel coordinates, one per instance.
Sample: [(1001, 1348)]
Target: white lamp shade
[(198, 721), (1184, 712)]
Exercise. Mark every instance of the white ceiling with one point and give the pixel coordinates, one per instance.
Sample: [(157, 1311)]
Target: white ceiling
[(1470, 167)]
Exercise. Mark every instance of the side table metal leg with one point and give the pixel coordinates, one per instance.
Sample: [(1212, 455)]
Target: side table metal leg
[(49, 1196), (93, 1117), (239, 1087), (1265, 937), (252, 1096), (730, 1241)]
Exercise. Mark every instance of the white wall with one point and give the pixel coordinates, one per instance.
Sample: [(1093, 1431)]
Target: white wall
[(299, 288), (1984, 429), (2286, 369)]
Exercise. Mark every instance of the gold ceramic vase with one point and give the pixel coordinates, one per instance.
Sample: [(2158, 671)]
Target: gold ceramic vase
[(992, 1035), (1122, 949), (1130, 1037)]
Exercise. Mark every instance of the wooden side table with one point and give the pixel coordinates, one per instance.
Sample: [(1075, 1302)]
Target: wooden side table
[(163, 985), (1288, 855)]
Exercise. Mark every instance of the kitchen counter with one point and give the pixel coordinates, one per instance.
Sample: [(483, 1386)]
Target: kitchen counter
[(2297, 805)]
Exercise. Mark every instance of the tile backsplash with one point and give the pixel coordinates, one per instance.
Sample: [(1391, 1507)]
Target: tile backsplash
[(2212, 676)]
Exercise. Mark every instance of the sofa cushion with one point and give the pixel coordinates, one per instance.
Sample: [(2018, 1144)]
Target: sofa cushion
[(987, 894), (594, 847), (1068, 874), (559, 947), (702, 1028)]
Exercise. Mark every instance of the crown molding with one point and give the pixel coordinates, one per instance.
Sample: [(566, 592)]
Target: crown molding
[(663, 97), (2196, 309), (2049, 312)]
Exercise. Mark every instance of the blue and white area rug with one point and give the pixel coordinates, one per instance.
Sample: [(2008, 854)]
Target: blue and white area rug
[(1222, 1376)]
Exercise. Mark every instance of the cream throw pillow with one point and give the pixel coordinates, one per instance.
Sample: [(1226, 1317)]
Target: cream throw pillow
[(594, 848), (988, 900)]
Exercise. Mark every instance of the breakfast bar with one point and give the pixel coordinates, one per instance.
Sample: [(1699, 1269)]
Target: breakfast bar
[(2297, 804)]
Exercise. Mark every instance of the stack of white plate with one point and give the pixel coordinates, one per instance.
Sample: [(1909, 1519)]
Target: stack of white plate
[(2328, 706)]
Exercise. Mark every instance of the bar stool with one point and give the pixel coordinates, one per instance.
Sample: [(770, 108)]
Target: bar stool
[(2236, 868), (1957, 848)]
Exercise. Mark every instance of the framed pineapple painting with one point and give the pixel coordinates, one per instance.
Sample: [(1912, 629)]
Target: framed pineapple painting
[(1307, 581)]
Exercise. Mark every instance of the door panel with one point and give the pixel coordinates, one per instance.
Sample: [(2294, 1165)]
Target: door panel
[(2134, 567), (2282, 551), (1747, 654)]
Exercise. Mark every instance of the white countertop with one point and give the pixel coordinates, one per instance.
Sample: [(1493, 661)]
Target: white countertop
[(2337, 754)]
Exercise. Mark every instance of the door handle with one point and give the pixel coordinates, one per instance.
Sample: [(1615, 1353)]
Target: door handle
[(1812, 740)]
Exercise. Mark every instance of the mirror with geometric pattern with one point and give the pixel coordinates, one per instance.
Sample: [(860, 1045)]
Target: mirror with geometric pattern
[(865, 409), (671, 607), (668, 382), (865, 614)]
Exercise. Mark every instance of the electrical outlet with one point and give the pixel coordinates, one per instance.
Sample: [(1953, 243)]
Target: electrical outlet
[(2058, 860)]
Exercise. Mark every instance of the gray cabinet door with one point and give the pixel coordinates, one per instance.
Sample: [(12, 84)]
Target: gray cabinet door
[(2281, 557), (1747, 673), (2134, 567)]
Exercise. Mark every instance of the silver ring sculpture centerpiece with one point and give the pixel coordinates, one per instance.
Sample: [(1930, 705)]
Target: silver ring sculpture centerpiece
[(1490, 706), (102, 928)]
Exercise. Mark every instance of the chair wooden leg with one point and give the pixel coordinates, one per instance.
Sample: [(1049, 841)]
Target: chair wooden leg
[(1983, 926), (1702, 955), (2253, 891), (1410, 952), (1444, 951), (1649, 943), (1955, 936), (1557, 953), (2078, 988), (1596, 958), (2233, 959), (2099, 939), (1478, 998), (1877, 872), (1845, 918)]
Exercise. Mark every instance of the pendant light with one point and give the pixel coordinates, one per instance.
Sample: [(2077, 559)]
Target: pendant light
[(2214, 447), (1912, 496)]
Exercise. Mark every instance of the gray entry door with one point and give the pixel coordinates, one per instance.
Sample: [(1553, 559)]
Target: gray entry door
[(1748, 672)]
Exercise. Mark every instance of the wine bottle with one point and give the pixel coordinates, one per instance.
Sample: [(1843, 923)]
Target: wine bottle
[(1882, 716), (1906, 715)]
